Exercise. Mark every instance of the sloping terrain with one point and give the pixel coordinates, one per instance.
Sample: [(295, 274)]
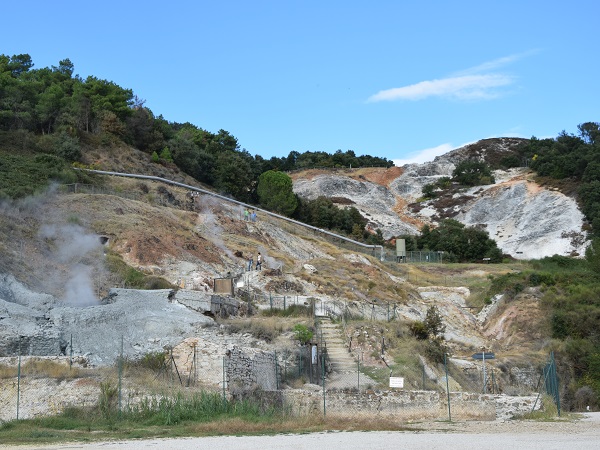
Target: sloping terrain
[(54, 250), (528, 221), (58, 256)]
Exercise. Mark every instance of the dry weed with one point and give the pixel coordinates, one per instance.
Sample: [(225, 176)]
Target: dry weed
[(40, 368)]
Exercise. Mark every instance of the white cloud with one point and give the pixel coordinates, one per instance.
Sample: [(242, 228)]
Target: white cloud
[(425, 155), (495, 64), (482, 82), (467, 87)]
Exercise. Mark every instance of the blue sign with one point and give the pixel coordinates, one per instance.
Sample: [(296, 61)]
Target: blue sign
[(483, 355)]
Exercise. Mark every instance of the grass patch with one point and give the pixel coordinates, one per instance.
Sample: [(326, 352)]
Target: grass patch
[(290, 311), (24, 175), (214, 419), (381, 375), (265, 328), (42, 368), (133, 278), (547, 413)]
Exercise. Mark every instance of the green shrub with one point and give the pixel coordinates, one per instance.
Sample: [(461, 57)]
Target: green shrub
[(67, 147), (428, 191), (435, 350), (419, 330), (154, 361), (472, 173), (25, 175), (133, 278), (165, 155), (537, 279), (108, 401), (302, 333)]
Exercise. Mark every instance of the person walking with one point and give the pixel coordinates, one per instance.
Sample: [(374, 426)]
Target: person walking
[(250, 261), (246, 214), (259, 261)]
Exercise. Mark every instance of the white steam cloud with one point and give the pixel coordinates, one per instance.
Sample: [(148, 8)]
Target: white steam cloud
[(79, 290), (69, 246)]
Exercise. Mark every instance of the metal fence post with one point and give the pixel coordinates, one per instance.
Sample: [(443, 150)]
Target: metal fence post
[(447, 388), (19, 381), (223, 380), (71, 353), (358, 373), (276, 371), (554, 381), (484, 375), (120, 366), (323, 382)]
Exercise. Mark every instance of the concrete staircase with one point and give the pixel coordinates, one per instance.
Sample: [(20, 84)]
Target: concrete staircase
[(344, 367), (341, 359)]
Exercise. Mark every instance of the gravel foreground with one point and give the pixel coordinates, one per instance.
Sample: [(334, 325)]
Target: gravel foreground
[(578, 434)]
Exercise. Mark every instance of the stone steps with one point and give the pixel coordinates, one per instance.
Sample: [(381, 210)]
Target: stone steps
[(341, 360)]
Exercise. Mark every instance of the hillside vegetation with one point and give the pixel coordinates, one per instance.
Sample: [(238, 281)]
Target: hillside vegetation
[(52, 121)]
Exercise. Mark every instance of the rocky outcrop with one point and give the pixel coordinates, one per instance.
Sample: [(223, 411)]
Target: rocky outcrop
[(145, 321), (375, 202), (526, 220)]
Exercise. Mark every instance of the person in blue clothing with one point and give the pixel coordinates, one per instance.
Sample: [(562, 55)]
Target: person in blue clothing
[(250, 261)]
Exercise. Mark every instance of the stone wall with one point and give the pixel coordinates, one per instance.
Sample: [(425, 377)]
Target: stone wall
[(223, 306), (246, 370), (407, 405), (202, 302)]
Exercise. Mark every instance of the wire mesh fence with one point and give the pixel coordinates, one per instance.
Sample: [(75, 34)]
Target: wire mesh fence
[(313, 378), (34, 386), (156, 199)]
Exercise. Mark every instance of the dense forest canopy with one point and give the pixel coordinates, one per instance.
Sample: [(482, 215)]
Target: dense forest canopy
[(53, 101), (52, 108)]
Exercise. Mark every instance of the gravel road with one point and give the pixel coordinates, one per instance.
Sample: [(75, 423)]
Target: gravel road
[(574, 435)]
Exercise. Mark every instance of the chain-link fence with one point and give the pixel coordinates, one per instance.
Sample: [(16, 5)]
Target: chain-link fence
[(157, 199), (549, 384), (319, 377), (33, 386)]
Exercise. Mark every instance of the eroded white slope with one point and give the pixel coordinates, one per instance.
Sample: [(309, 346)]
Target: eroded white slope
[(527, 221)]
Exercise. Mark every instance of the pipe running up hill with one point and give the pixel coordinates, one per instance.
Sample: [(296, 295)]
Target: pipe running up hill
[(373, 248)]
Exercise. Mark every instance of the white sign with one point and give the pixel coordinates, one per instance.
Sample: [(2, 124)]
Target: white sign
[(396, 382)]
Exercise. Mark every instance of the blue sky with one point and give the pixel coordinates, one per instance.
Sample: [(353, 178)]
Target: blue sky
[(404, 80)]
